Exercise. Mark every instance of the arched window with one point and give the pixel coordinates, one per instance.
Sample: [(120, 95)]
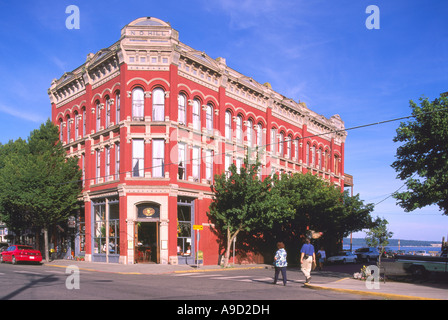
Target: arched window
[(336, 165), (296, 147), (281, 141), (288, 147), (138, 104), (209, 118), (98, 116), (69, 135), (181, 109), (308, 154), (273, 140), (77, 123), (84, 121), (108, 107), (196, 114), (319, 158), (117, 107), (249, 134), (259, 135), (61, 128), (313, 156), (228, 125), (239, 129), (158, 105)]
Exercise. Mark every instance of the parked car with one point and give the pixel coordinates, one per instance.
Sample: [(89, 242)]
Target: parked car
[(367, 254), (399, 253), (21, 253), (422, 253), (343, 257)]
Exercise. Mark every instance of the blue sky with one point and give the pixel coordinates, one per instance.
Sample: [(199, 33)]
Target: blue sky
[(319, 52)]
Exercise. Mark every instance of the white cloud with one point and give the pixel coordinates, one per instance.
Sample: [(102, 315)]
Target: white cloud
[(21, 114)]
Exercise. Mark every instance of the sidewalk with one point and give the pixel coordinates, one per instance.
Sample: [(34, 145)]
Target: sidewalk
[(388, 290), (145, 268)]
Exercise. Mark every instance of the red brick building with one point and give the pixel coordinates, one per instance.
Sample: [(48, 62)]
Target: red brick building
[(152, 120)]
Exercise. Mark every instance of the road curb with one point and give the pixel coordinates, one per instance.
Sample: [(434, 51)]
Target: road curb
[(391, 296)]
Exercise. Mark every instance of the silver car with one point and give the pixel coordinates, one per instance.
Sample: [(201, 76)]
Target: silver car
[(343, 257)]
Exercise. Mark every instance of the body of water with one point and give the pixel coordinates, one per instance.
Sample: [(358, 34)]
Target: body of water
[(408, 250)]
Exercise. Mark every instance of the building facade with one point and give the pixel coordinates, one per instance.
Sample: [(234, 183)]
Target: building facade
[(151, 121)]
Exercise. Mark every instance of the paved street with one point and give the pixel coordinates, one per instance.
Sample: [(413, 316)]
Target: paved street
[(46, 282)]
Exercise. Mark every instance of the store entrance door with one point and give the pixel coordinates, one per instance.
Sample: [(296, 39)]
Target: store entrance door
[(147, 242)]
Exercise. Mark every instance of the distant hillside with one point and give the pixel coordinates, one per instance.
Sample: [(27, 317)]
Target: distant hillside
[(394, 242)]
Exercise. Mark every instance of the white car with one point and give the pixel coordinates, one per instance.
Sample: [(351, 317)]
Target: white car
[(343, 257)]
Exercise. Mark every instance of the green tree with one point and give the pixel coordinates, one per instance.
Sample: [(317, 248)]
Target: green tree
[(244, 203), (378, 236), (422, 159), (321, 207), (40, 185)]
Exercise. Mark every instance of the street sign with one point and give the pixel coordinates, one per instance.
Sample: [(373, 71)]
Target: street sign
[(198, 227)]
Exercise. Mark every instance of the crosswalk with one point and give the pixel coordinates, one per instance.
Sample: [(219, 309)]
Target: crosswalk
[(226, 277)]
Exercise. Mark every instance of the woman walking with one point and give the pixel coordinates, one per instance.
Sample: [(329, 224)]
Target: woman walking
[(280, 262)]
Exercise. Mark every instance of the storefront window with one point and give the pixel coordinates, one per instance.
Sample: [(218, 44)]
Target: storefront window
[(99, 210), (114, 229), (106, 227), (184, 230)]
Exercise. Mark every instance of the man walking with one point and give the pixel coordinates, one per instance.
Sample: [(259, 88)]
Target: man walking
[(307, 257)]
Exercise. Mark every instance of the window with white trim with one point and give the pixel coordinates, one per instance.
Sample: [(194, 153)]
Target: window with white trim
[(158, 105), (182, 165), (228, 125), (138, 104), (209, 165), (181, 109), (196, 162), (196, 114), (138, 157), (209, 118), (158, 158)]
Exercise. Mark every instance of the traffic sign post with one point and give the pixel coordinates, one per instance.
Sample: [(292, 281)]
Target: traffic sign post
[(197, 227)]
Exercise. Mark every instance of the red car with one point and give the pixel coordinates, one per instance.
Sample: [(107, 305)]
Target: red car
[(19, 253)]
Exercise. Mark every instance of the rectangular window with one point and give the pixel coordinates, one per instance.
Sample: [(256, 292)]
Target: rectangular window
[(99, 210), (98, 166), (209, 165), (106, 236), (196, 163), (158, 158), (138, 157), (184, 221), (83, 166), (182, 161), (117, 161), (114, 228), (107, 174)]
